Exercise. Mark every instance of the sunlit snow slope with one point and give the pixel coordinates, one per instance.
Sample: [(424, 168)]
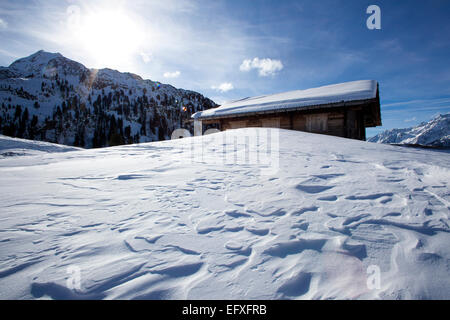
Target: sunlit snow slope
[(150, 222), (20, 147)]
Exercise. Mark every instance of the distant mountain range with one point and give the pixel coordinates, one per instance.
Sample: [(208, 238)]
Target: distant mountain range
[(51, 98), (435, 133)]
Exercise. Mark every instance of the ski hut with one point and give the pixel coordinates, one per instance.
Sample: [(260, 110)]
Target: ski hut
[(344, 110)]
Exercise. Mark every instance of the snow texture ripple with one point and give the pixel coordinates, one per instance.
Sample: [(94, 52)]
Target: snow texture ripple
[(148, 222)]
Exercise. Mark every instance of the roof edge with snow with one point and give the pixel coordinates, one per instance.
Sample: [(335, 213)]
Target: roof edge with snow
[(335, 95)]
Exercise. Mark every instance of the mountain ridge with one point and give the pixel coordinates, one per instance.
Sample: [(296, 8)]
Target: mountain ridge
[(49, 97), (434, 133)]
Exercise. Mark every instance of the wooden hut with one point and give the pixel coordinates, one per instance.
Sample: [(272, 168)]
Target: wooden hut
[(344, 110)]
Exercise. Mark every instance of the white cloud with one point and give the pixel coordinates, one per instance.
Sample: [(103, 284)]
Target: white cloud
[(3, 24), (265, 66), (246, 65), (223, 87), (146, 57), (411, 119), (175, 74)]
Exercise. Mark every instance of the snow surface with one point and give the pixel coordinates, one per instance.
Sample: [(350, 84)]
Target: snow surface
[(19, 147), (342, 92), (150, 221), (435, 132)]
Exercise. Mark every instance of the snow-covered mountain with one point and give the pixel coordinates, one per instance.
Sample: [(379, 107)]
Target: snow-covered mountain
[(51, 98), (202, 218), (435, 133)]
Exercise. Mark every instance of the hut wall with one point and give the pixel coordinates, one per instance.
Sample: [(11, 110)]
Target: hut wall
[(336, 124), (341, 122), (299, 122)]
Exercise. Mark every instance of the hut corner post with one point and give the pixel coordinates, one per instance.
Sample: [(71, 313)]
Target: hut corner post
[(198, 127)]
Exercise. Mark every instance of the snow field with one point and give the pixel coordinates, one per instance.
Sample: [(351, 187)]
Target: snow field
[(149, 221)]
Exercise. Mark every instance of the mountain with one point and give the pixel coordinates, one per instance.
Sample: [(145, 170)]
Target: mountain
[(435, 133), (51, 98), (203, 218)]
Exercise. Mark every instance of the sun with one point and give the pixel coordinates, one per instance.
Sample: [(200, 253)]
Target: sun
[(111, 37)]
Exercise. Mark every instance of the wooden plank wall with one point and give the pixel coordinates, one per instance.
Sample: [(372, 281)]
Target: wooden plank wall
[(342, 123)]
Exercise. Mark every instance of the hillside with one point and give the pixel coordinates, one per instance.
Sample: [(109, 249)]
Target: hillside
[(51, 98), (324, 218), (20, 147), (434, 133)]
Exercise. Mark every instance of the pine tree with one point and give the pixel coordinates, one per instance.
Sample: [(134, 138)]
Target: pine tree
[(10, 130), (32, 131), (18, 112), (127, 133), (81, 137), (161, 136)]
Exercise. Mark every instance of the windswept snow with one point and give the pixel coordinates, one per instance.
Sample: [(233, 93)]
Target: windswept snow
[(20, 147), (336, 93), (152, 221)]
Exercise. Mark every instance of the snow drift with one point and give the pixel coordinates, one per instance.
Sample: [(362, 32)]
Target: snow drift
[(336, 219), (19, 147)]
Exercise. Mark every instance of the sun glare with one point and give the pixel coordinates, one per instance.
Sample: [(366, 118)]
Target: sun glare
[(112, 38)]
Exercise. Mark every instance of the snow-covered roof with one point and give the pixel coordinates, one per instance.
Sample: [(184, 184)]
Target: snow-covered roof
[(336, 93)]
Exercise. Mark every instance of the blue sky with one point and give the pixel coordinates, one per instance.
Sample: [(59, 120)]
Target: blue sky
[(233, 49)]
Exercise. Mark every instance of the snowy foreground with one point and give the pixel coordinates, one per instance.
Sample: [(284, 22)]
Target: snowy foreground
[(330, 218)]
